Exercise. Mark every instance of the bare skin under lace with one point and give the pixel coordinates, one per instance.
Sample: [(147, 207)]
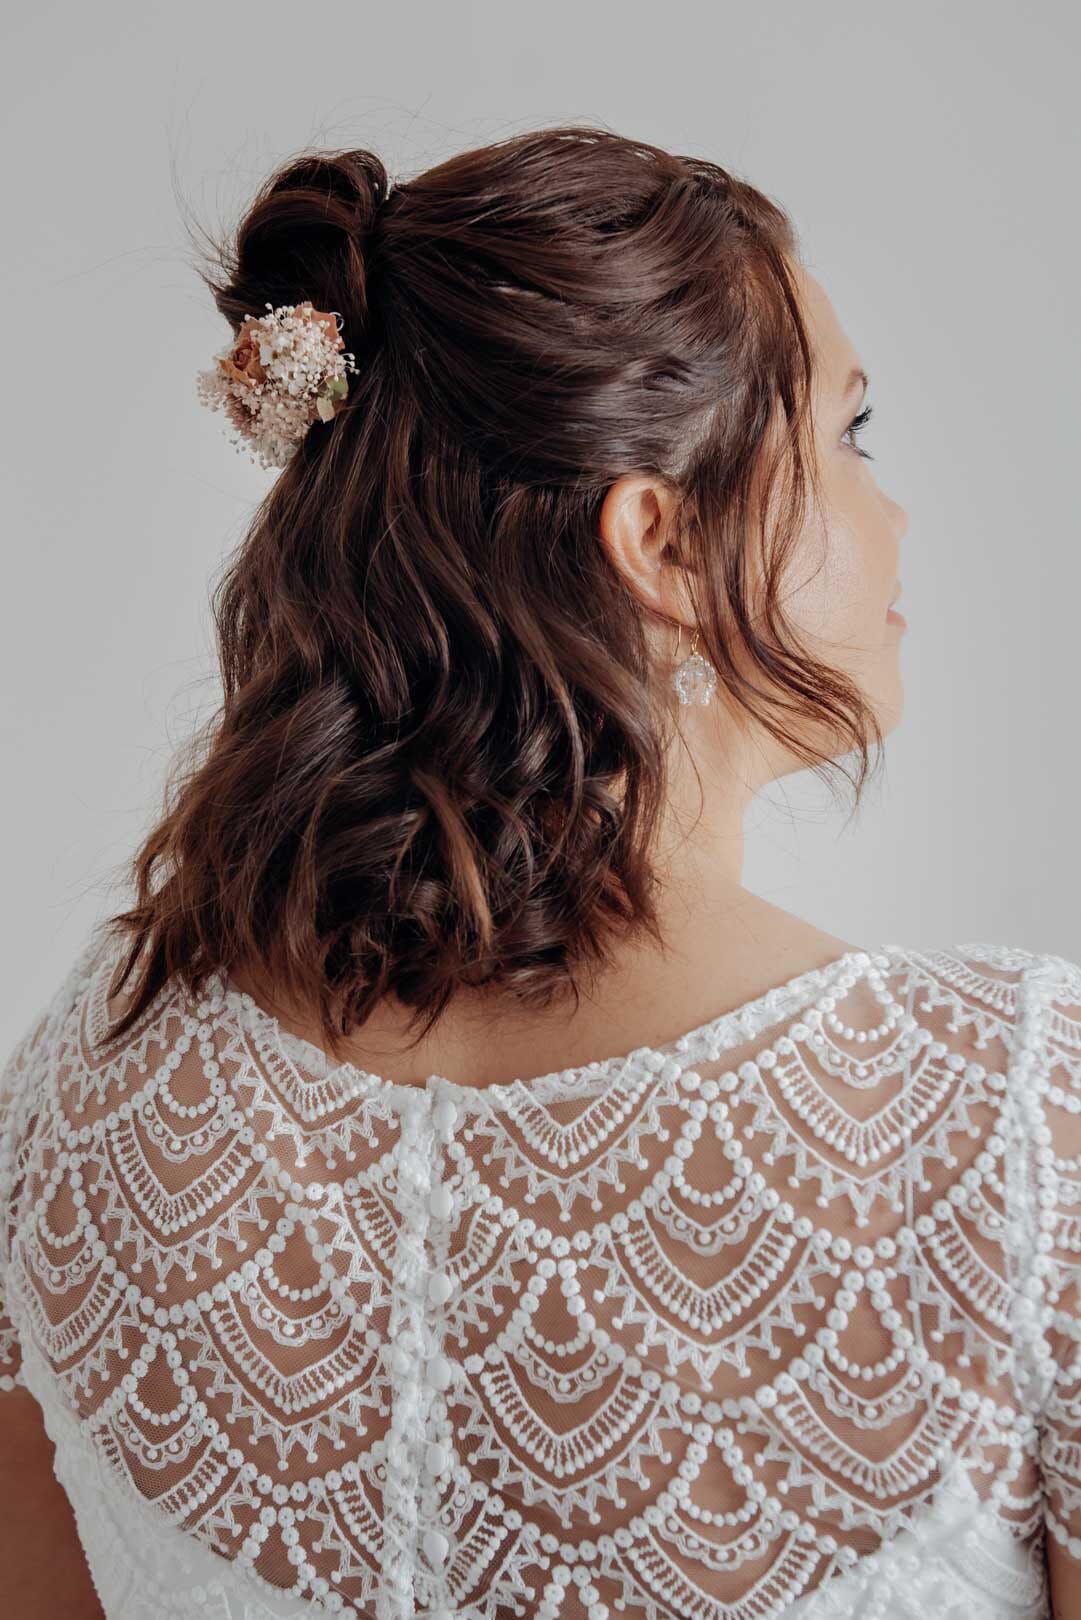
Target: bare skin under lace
[(778, 1319)]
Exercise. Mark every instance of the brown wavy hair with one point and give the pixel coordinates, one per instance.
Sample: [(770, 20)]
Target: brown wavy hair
[(440, 758)]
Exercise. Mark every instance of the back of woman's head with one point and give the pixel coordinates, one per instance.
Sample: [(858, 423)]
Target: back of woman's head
[(440, 759)]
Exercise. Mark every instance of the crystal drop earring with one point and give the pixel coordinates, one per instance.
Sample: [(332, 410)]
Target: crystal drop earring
[(695, 679)]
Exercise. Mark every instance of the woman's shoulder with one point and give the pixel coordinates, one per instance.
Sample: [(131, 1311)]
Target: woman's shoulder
[(1023, 989), (1041, 993), (1010, 962), (25, 1063)]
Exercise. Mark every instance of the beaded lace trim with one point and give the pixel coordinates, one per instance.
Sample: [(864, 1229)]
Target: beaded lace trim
[(725, 1329)]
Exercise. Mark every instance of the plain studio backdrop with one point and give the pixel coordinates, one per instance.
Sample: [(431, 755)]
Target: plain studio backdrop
[(929, 156)]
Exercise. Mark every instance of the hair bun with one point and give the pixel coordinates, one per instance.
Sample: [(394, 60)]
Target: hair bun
[(304, 237)]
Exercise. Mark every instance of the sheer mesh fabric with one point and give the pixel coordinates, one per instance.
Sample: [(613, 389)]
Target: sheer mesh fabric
[(778, 1319)]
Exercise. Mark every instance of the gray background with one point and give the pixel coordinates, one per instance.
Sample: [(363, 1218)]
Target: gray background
[(929, 156)]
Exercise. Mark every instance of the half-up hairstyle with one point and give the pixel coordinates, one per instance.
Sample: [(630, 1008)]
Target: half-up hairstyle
[(440, 758)]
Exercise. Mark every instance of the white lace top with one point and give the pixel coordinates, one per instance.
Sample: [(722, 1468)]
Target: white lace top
[(780, 1319)]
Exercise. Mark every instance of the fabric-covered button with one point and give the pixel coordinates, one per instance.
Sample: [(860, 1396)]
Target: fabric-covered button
[(436, 1459), (440, 1288), (436, 1545), (444, 1114), (439, 1372), (441, 1202)]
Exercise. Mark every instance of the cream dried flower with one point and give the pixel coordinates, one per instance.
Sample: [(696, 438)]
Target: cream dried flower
[(282, 372)]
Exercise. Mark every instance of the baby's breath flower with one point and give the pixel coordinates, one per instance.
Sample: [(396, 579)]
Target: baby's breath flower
[(282, 372)]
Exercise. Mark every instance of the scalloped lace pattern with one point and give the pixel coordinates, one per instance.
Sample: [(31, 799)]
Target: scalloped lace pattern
[(779, 1319)]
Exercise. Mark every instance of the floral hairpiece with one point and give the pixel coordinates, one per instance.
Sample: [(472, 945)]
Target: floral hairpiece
[(282, 372)]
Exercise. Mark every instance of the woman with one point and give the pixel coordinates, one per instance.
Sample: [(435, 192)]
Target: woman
[(326, 1305)]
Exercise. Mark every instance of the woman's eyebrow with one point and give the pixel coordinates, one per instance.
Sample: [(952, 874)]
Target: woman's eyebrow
[(856, 375)]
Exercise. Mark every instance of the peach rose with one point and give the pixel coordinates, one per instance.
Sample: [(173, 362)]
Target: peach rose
[(243, 364)]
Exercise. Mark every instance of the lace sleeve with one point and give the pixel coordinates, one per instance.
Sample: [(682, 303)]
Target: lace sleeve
[(1046, 1237), (15, 1085), (22, 1088)]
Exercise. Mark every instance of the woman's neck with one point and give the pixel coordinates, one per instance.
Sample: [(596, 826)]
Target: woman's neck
[(717, 958)]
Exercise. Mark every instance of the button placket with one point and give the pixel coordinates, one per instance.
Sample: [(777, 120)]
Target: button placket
[(417, 1547), (438, 1454)]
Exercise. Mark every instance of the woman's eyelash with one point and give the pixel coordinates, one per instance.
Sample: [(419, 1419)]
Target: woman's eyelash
[(857, 425)]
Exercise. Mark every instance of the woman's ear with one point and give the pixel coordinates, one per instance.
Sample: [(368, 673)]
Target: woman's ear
[(636, 527)]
